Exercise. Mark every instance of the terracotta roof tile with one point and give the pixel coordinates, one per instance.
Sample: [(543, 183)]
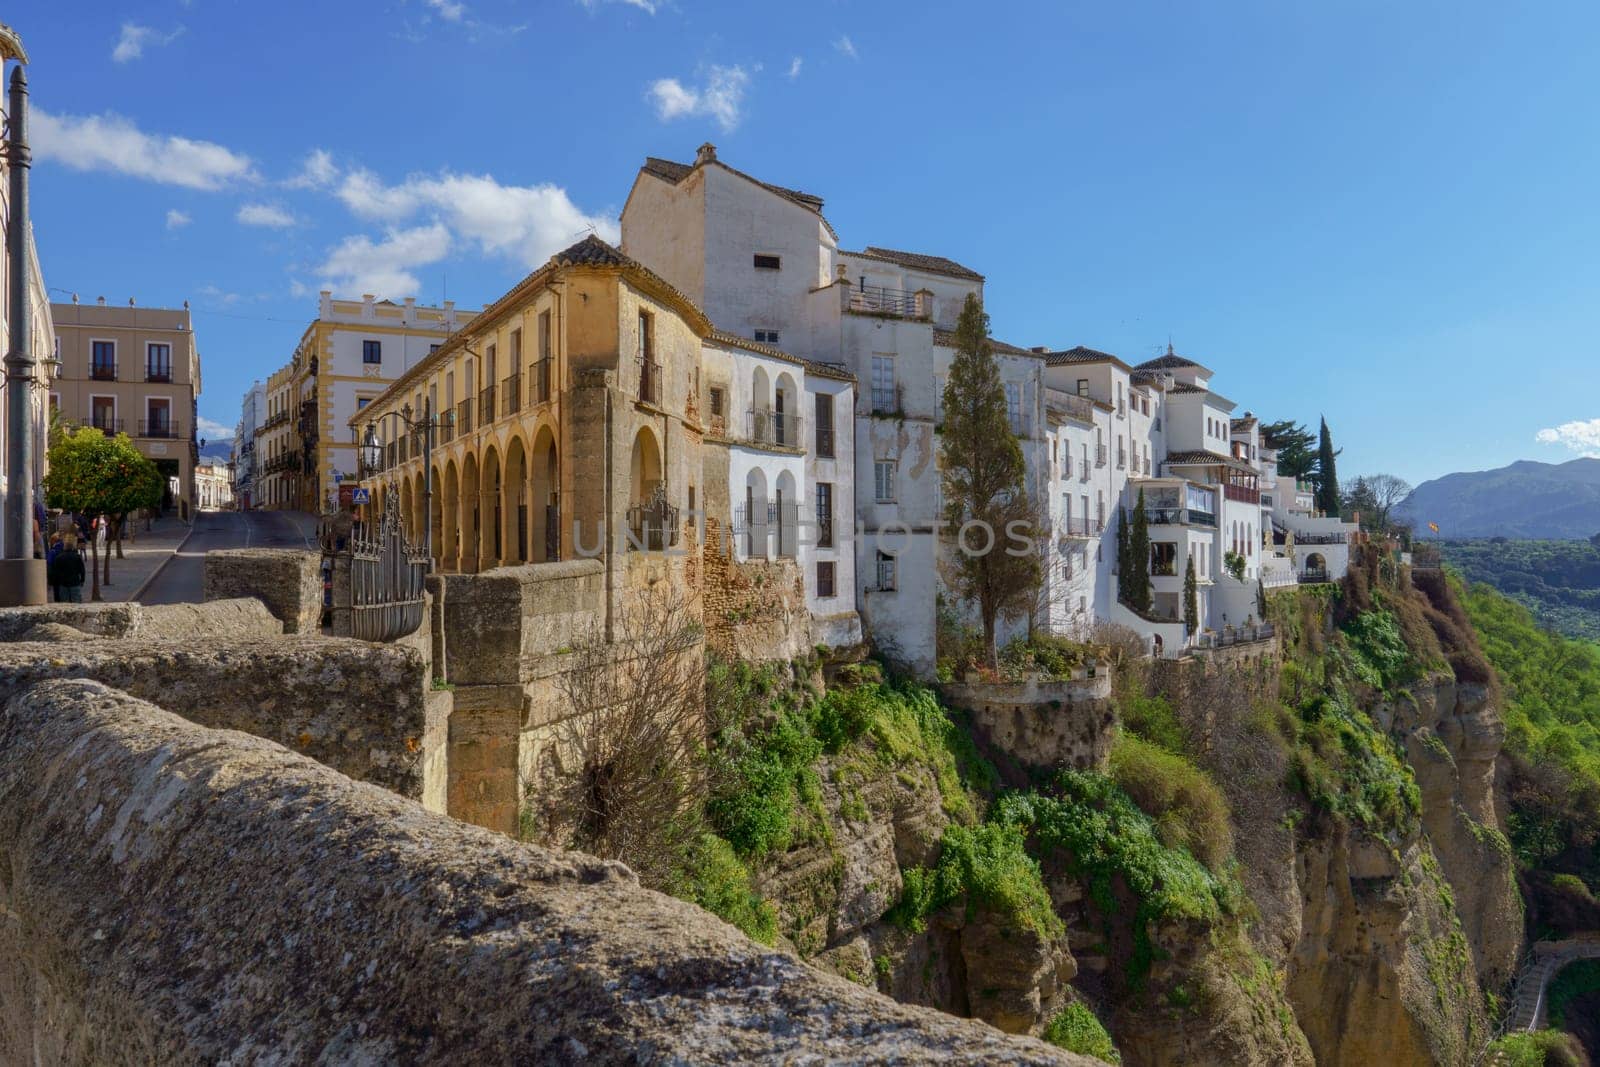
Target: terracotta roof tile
[(674, 172), (918, 261), (947, 339)]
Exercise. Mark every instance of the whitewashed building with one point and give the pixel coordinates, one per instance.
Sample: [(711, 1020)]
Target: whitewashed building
[(768, 268), (252, 415)]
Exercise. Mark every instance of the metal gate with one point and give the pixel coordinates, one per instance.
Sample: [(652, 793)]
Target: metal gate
[(387, 578)]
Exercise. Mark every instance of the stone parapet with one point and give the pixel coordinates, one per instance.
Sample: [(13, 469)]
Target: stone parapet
[(287, 581), (1043, 722), (359, 708), (498, 622), (175, 894), (238, 618)]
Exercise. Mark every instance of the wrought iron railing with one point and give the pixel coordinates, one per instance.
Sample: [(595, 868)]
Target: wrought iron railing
[(653, 523), (103, 371), (649, 380), (540, 372), (464, 416), (1314, 574), (158, 374), (1100, 455), (777, 428), (511, 394), (878, 300), (163, 428), (109, 427), (753, 529), (1075, 526), (486, 405), (387, 580)]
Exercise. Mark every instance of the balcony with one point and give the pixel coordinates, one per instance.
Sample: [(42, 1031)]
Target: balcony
[(1100, 454), (1236, 635), (1076, 526), (1179, 517), (540, 376), (166, 429), (1122, 461), (1312, 575), (649, 381), (486, 406), (103, 371), (824, 442), (511, 394), (464, 417), (447, 426), (1078, 407), (652, 524), (158, 373), (1242, 493), (775, 429), (1321, 538), (876, 300), (108, 426)]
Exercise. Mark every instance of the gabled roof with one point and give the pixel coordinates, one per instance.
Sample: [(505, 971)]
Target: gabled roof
[(674, 172), (1208, 458), (1081, 354), (918, 261), (1216, 399), (1169, 361), (947, 339)]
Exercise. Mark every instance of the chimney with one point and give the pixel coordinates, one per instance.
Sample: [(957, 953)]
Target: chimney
[(706, 154), (100, 300), (411, 311), (366, 305), (325, 304)]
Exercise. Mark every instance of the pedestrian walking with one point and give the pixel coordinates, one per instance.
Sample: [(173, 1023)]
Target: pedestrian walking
[(66, 572), (49, 565)]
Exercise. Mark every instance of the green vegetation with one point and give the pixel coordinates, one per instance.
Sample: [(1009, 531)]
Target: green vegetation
[(1573, 980), (1152, 718), (1188, 808), (1076, 1029), (714, 878), (1541, 1048), (1382, 659), (1107, 842), (1559, 581), (1552, 715), (981, 868)]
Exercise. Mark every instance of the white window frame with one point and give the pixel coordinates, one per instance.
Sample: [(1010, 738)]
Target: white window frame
[(882, 396), (879, 480), (889, 565)]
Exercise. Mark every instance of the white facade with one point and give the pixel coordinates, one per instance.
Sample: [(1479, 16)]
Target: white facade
[(246, 462), (213, 487), (767, 266), (42, 343)]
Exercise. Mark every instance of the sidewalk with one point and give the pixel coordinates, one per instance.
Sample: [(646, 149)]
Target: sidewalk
[(145, 555)]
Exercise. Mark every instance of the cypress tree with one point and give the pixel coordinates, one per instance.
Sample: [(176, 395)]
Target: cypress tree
[(1139, 556), (1328, 500), (983, 475), (1124, 537), (1191, 599)]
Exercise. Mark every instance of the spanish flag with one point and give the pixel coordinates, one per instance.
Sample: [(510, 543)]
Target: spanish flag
[(1433, 526)]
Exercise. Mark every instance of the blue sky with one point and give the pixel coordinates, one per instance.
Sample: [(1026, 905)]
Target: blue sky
[(1384, 213)]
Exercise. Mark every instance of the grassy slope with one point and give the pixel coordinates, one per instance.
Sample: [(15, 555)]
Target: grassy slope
[(1559, 581)]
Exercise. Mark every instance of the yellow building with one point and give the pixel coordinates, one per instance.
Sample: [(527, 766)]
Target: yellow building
[(346, 357)]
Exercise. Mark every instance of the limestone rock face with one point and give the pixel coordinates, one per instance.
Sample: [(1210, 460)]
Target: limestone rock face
[(182, 895), (1014, 977), (1382, 972)]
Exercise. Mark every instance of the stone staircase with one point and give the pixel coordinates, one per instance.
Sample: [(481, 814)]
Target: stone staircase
[(1528, 1003)]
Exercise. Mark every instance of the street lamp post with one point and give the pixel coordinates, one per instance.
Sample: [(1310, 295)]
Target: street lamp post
[(371, 455), (22, 578)]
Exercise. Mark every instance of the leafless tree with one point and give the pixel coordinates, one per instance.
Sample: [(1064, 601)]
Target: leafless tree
[(1388, 490), (631, 751)]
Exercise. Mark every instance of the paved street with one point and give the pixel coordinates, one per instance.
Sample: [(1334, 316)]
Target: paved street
[(181, 580)]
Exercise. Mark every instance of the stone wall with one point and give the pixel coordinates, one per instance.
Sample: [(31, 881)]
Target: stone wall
[(239, 618), (361, 709), (287, 581), (495, 622), (176, 894), (755, 610), (1043, 723)]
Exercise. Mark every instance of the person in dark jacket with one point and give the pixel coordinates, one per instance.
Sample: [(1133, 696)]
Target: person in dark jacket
[(66, 572)]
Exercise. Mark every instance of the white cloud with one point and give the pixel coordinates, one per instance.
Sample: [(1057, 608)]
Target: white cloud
[(449, 10), (265, 215), (794, 68), (213, 295), (212, 430), (647, 6), (177, 219), (1582, 437), (131, 43), (846, 47), (527, 223), (316, 172), (383, 268), (111, 142), (721, 97)]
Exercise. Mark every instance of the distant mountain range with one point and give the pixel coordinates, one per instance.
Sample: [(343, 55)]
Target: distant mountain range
[(216, 451), (1526, 499)]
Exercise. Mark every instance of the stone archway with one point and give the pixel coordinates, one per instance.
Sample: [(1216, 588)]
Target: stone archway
[(545, 471), (471, 514), (514, 503)]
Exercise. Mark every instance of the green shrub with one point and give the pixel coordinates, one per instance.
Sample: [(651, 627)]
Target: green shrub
[(1076, 1029), (1188, 807), (983, 868), (1541, 1048), (757, 786), (1381, 658), (1153, 719), (1571, 883), (712, 877), (1572, 981), (1106, 841)]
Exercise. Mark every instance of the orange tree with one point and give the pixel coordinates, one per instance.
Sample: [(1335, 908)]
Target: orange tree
[(99, 477)]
